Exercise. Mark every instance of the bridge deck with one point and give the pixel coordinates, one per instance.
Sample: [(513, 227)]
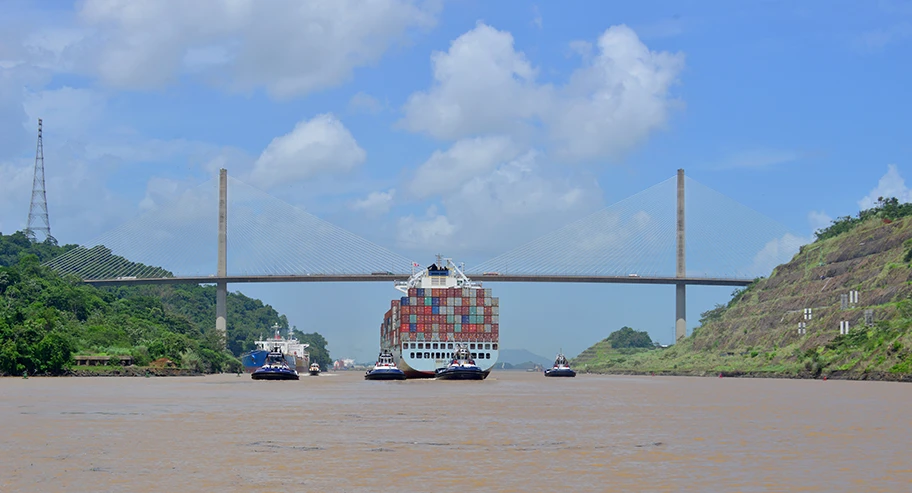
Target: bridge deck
[(701, 281)]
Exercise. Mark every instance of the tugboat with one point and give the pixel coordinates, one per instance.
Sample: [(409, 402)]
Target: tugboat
[(314, 369), (561, 368), (461, 367), (385, 368), (275, 368)]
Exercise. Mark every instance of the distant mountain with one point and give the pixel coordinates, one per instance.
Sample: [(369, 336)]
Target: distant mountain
[(519, 356)]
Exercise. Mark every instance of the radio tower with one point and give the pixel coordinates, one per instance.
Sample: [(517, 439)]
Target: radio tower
[(38, 208)]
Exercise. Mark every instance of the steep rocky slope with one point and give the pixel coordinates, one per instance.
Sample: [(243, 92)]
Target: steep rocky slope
[(757, 332)]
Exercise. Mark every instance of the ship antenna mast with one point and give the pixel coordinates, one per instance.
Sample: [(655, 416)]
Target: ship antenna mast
[(38, 209)]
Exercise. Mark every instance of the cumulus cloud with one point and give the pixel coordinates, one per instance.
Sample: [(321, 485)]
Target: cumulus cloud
[(447, 170), (819, 220), (513, 202), (482, 85), (431, 231), (362, 102), (289, 47), (890, 184), (375, 203), (615, 102), (777, 251), (510, 132), (319, 145)]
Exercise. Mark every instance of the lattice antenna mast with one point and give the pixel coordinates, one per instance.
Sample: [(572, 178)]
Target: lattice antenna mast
[(38, 209)]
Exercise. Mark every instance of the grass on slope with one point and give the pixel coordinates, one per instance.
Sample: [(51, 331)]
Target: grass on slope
[(757, 331)]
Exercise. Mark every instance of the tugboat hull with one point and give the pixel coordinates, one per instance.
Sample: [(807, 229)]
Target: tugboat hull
[(560, 373), (461, 374), (385, 375), (273, 375)]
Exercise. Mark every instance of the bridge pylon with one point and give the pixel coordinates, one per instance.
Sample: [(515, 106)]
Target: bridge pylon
[(221, 290), (680, 266)]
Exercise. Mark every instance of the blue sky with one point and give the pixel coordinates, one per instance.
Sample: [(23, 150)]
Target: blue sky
[(466, 127)]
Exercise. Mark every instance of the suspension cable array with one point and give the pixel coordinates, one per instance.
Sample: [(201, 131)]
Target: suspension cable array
[(265, 236), (268, 236), (636, 237)]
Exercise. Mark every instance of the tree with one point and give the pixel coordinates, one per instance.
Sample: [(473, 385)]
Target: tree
[(626, 337)]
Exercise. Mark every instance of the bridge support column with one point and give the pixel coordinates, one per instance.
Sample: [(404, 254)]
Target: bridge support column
[(680, 267), (221, 290)]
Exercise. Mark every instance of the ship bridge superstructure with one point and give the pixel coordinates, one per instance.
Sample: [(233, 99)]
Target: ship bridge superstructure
[(444, 273)]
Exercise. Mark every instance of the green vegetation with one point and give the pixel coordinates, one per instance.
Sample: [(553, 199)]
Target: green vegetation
[(629, 338), (887, 209), (46, 319), (756, 332), (614, 349)]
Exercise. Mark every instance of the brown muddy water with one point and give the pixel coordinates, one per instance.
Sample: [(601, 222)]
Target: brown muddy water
[(515, 431)]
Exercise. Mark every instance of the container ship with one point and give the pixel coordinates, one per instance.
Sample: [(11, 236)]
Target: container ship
[(441, 308), (295, 352)]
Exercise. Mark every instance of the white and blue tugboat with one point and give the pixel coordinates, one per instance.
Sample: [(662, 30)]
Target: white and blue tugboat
[(561, 368), (461, 367), (275, 368), (385, 368)]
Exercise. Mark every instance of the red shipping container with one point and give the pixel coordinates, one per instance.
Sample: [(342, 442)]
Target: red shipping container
[(394, 303), (428, 310), (487, 319)]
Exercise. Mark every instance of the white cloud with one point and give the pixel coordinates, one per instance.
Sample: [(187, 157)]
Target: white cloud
[(877, 40), (515, 201), (482, 85), (66, 111), (319, 145), (447, 170), (615, 102), (291, 48), (363, 102), (376, 203), (777, 251), (891, 184), (536, 17), (819, 220), (432, 231)]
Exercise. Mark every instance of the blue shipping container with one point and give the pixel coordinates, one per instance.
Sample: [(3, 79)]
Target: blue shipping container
[(465, 319), (435, 310), (420, 293), (404, 301), (413, 327)]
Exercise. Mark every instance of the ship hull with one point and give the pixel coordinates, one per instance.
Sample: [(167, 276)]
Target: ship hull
[(461, 374), (427, 368), (263, 374), (385, 375), (254, 360), (560, 373)]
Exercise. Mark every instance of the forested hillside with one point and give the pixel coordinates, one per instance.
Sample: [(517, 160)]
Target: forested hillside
[(858, 273), (45, 319)]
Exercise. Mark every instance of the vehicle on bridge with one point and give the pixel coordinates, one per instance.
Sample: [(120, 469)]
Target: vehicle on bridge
[(382, 273)]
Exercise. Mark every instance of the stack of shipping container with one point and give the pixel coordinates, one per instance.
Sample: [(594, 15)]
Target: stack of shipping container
[(442, 314)]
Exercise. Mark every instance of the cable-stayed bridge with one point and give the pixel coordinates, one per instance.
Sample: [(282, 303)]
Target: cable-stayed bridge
[(644, 239)]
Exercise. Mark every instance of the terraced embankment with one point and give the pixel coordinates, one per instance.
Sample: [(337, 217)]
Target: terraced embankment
[(757, 333)]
